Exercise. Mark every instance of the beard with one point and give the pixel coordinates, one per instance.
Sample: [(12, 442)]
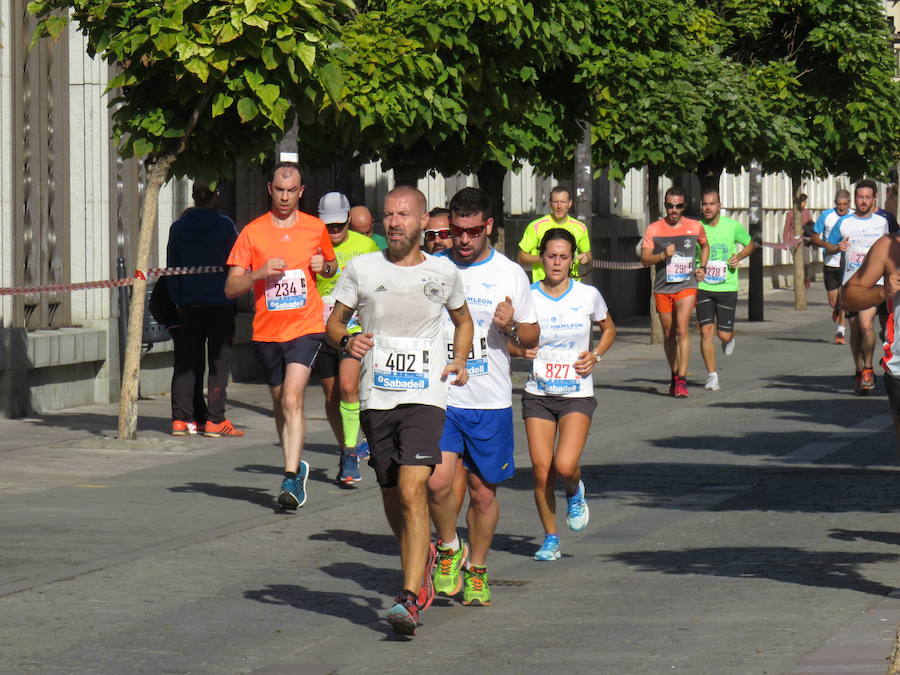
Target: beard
[(401, 248)]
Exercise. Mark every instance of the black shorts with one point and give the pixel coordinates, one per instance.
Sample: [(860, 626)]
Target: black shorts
[(328, 361), (408, 435), (718, 306), (274, 356), (892, 386), (832, 278), (553, 407)]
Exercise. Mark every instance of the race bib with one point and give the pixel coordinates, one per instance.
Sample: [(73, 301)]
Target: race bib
[(855, 257), (716, 271), (679, 268), (476, 361), (400, 364), (328, 302), (288, 292), (554, 372)]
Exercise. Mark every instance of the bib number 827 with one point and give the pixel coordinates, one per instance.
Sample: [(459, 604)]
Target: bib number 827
[(557, 371), (400, 362)]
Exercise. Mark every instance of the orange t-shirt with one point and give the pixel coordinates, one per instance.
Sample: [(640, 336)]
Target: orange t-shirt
[(291, 306)]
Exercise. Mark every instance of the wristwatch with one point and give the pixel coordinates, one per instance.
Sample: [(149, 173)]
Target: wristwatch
[(597, 358), (344, 341)]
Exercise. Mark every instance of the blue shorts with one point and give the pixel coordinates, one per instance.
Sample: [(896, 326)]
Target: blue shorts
[(484, 438)]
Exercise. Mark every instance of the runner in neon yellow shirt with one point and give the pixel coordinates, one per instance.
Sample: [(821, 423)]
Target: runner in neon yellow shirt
[(560, 203), (341, 401), (717, 292)]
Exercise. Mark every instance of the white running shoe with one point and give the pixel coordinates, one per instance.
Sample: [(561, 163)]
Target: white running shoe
[(728, 347), (712, 382)]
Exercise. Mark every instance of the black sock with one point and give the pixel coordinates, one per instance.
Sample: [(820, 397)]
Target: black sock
[(290, 474)]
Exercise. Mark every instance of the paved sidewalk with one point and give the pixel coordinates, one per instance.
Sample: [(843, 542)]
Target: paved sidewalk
[(750, 530)]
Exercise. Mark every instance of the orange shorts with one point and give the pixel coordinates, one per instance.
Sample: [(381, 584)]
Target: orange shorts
[(665, 302)]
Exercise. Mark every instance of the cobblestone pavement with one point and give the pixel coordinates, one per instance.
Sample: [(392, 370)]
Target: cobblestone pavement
[(749, 530)]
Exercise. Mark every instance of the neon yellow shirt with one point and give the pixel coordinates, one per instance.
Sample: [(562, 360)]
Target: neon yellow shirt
[(355, 244), (535, 231)]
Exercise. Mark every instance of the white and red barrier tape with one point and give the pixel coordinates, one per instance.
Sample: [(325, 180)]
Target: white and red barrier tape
[(112, 283)]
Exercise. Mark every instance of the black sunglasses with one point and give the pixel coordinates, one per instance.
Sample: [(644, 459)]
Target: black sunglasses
[(334, 227), (431, 235), (680, 207)]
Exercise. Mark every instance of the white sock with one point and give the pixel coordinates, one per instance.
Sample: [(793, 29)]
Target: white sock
[(451, 545)]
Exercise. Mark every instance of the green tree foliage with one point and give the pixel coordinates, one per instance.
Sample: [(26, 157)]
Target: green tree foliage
[(222, 77), (453, 85)]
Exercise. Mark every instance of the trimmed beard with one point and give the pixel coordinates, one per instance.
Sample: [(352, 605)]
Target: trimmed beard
[(400, 249)]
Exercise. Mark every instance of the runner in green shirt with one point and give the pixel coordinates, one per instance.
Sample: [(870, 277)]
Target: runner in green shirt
[(341, 397), (560, 203), (717, 293), (361, 221)]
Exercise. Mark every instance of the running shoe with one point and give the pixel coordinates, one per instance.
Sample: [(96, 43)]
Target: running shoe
[(712, 382), (549, 550), (293, 490), (362, 450), (857, 383), (839, 338), (836, 314), (182, 428), (680, 389), (426, 591), (404, 615), (475, 586), (728, 347), (577, 512), (867, 379), (348, 469), (447, 577), (224, 428), (672, 385)]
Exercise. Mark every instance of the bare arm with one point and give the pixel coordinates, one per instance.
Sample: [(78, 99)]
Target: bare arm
[(648, 257), (240, 280), (861, 292), (464, 331), (527, 259)]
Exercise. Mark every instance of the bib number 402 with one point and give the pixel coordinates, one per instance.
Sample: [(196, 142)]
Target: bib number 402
[(400, 362)]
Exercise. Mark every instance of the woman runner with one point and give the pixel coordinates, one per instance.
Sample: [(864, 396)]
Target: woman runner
[(559, 394)]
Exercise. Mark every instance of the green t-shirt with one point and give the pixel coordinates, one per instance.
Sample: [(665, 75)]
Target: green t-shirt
[(380, 241), (355, 244), (723, 238), (535, 231)]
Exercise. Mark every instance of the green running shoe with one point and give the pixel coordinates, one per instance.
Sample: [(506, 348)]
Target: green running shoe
[(475, 587), (447, 577)]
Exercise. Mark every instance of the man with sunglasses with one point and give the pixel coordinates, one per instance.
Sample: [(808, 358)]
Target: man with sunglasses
[(339, 371), (670, 244), (560, 205), (437, 232), (479, 423)]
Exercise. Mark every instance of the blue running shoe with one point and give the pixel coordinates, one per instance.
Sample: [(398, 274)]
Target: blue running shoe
[(293, 490), (404, 615), (577, 515), (362, 450), (348, 470), (549, 550)]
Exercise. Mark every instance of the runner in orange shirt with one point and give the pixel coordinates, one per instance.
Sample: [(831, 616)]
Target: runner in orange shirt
[(278, 255)]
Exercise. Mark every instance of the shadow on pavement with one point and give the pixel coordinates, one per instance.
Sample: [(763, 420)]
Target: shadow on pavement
[(376, 579), (828, 569), (257, 496), (825, 384), (356, 609), (892, 538), (383, 544)]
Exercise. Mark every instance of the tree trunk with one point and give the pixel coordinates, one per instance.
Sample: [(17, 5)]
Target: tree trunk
[(798, 251), (584, 183), (656, 333), (894, 658), (490, 179), (156, 178)]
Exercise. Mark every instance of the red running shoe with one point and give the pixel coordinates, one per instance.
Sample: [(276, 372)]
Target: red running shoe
[(680, 389), (404, 615), (426, 591), (224, 428), (867, 379)]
